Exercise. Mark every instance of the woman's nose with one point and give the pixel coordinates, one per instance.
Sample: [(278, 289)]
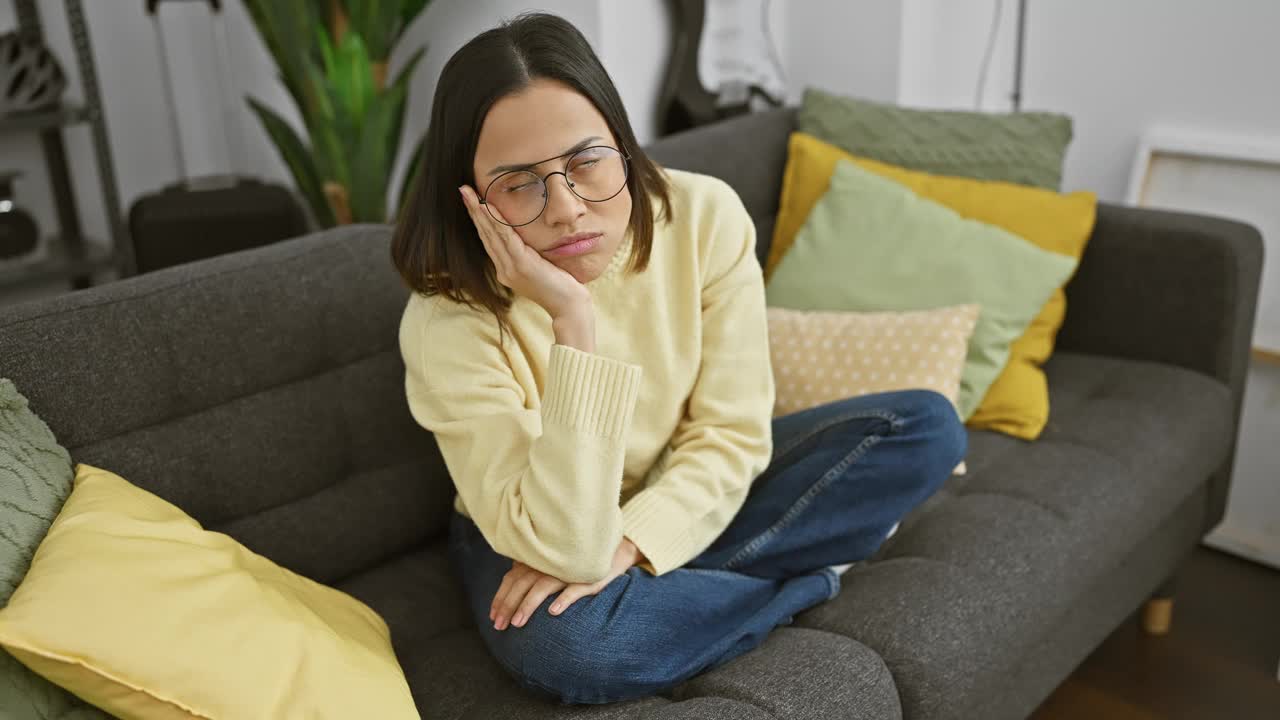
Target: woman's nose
[(563, 206)]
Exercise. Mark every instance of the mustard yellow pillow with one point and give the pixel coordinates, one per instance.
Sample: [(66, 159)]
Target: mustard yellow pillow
[(135, 608), (1017, 403)]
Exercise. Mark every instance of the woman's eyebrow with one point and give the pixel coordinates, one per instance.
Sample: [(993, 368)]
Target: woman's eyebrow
[(582, 145)]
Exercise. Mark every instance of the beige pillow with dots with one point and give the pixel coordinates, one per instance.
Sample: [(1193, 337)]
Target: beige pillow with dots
[(822, 356)]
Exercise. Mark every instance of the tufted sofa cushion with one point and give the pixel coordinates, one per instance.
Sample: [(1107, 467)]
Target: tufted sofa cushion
[(261, 392), (979, 572)]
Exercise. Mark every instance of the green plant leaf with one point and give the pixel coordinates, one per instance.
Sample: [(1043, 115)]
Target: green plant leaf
[(298, 159), (353, 126), (351, 76), (376, 151), (333, 130), (324, 46), (409, 11), (378, 22), (381, 23), (369, 169), (380, 143), (285, 28)]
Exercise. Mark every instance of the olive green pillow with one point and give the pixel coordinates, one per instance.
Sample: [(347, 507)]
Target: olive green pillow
[(871, 244), (1026, 147), (35, 480)]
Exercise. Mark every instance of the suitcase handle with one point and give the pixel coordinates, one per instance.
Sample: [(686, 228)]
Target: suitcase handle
[(214, 5), (235, 150)]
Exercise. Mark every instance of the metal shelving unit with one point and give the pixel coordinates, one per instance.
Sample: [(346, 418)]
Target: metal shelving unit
[(44, 119), (70, 255)]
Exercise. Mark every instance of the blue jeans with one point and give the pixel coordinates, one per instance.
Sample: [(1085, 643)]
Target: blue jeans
[(841, 475)]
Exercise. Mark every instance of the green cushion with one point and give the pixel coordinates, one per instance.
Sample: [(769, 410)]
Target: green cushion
[(35, 479), (871, 244), (37, 476), (1026, 148)]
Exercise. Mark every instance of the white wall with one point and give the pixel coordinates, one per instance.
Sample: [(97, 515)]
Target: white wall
[(635, 45), (850, 46), (942, 49), (1189, 64), (1119, 68)]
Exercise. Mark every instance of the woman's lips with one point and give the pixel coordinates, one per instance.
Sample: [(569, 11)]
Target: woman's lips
[(578, 245)]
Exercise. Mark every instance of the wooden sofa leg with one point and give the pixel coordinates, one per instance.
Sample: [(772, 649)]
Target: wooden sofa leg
[(1157, 613)]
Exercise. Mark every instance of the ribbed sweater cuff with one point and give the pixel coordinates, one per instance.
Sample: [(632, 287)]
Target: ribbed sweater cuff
[(590, 393), (660, 528)]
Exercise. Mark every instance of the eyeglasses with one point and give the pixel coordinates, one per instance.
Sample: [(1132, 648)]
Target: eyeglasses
[(595, 174)]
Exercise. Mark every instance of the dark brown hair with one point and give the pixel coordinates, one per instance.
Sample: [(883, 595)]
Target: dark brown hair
[(436, 248)]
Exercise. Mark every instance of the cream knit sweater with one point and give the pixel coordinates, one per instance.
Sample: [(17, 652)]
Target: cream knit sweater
[(557, 453)]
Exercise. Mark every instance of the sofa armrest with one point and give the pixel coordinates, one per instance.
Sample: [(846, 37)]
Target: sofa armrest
[(1170, 287)]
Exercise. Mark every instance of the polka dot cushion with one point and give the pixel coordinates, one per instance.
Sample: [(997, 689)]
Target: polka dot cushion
[(822, 356)]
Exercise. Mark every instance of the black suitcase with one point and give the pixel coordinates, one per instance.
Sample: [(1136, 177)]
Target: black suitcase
[(200, 218)]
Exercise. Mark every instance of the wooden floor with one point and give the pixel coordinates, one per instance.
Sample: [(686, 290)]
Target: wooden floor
[(1218, 662)]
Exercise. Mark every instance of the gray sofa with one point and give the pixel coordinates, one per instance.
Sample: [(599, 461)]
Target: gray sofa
[(263, 392)]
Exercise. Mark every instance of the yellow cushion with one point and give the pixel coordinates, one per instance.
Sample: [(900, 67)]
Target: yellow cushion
[(135, 608), (1017, 403)]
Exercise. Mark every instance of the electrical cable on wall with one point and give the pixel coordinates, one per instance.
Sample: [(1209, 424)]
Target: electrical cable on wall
[(986, 56), (1018, 55)]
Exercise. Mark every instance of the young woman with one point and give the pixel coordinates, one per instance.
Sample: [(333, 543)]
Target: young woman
[(587, 342)]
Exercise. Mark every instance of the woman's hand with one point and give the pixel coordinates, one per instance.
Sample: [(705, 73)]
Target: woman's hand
[(522, 268), (523, 589)]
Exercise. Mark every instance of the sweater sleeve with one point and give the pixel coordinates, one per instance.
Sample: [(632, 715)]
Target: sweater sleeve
[(540, 480), (725, 439)]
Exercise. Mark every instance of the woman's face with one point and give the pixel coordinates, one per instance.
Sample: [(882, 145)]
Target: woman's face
[(545, 120)]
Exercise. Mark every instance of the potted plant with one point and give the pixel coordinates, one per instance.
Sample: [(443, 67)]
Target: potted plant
[(332, 58)]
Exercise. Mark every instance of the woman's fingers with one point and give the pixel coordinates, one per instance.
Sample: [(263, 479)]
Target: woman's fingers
[(514, 245), (572, 594), (503, 587), (500, 607), (503, 237), (539, 592), (524, 589), (511, 601), (493, 244), (522, 580)]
